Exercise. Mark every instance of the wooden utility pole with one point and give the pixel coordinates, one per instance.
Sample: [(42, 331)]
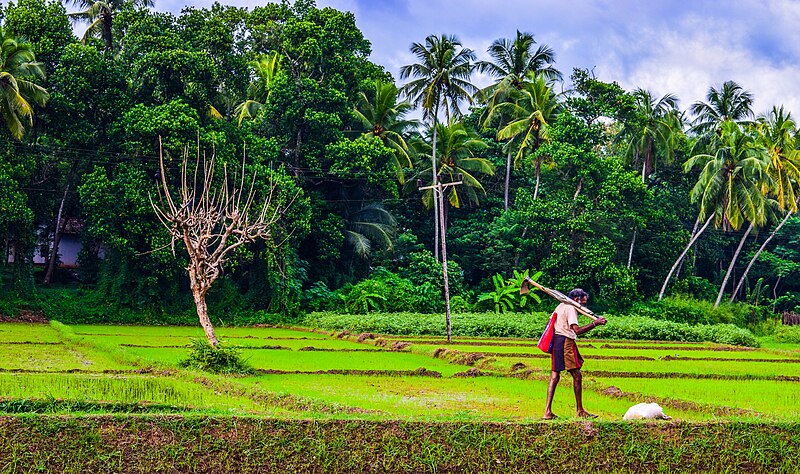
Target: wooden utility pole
[(438, 195)]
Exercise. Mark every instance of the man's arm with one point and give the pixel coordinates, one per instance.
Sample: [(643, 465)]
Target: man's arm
[(584, 329)]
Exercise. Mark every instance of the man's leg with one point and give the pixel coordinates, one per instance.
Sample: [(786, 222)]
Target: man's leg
[(577, 385), (551, 391)]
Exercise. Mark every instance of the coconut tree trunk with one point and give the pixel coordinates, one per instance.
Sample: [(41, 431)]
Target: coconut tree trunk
[(732, 264), (508, 181), (644, 170), (758, 253), (435, 181), (107, 18), (630, 252), (578, 189), (680, 257), (538, 175)]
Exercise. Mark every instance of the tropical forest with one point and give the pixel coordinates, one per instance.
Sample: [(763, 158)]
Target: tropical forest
[(229, 169)]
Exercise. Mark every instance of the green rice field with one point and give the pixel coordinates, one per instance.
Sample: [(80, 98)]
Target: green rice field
[(308, 374)]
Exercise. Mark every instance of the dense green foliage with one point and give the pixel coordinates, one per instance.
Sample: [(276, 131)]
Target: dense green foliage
[(594, 188), (529, 326)]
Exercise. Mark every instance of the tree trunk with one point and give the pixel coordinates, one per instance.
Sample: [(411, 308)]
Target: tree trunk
[(732, 264), (578, 189), (202, 313), (758, 253), (440, 191), (644, 170), (435, 181), (58, 228), (508, 181), (107, 19), (538, 175), (630, 252), (680, 257)]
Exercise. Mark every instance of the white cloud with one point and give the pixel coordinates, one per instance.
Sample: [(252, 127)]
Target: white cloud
[(660, 45)]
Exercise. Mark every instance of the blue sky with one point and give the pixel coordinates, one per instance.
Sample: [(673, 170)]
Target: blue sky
[(680, 47)]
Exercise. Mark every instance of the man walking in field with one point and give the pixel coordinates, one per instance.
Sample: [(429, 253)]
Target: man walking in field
[(565, 355)]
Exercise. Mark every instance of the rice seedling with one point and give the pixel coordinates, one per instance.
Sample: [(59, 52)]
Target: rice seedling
[(27, 332), (774, 398), (52, 358), (443, 399), (118, 389)]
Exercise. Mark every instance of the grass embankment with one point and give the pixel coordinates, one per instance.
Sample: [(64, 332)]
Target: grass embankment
[(197, 444)]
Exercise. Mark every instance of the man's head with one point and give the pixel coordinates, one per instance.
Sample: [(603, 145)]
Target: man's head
[(579, 295)]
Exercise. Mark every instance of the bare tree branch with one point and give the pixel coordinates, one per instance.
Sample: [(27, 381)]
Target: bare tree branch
[(213, 220)]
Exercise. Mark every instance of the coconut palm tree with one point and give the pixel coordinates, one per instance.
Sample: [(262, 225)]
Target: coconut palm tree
[(381, 114), (100, 16), (530, 114), (649, 135), (18, 71), (371, 223), (729, 188), (514, 63), (729, 103), (265, 70), (459, 148), (652, 132), (441, 81), (777, 132)]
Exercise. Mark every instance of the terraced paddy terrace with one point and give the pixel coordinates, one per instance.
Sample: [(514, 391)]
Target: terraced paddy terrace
[(310, 373)]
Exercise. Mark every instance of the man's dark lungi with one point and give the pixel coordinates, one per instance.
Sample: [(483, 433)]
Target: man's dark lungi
[(565, 354)]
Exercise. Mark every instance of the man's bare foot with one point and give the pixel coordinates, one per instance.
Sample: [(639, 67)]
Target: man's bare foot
[(549, 416), (586, 414)]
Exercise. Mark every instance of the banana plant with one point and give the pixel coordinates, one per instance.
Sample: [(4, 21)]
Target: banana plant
[(516, 283), (506, 297)]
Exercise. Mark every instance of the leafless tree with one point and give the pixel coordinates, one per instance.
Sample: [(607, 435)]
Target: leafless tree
[(213, 217)]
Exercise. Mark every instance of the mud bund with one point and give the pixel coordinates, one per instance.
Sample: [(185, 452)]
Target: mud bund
[(177, 443)]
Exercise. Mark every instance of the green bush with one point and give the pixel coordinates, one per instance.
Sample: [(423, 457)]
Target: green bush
[(684, 309), (695, 287), (385, 291), (643, 328), (221, 360), (320, 298), (527, 325), (81, 306), (416, 324), (789, 334)]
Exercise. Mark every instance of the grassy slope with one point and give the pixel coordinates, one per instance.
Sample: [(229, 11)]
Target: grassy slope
[(198, 444)]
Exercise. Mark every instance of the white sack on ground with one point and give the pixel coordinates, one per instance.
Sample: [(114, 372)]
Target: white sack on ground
[(646, 411)]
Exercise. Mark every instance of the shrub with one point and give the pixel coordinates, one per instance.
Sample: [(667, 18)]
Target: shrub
[(366, 296), (221, 360), (643, 328), (320, 298), (80, 306), (695, 287), (618, 286), (423, 268), (385, 291), (527, 325), (685, 309), (789, 334), (416, 324)]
